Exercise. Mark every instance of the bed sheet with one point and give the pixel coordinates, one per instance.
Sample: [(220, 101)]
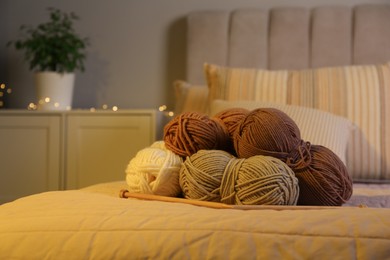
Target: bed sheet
[(370, 195)]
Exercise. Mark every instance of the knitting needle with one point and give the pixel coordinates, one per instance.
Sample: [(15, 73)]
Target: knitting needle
[(209, 204), (217, 205)]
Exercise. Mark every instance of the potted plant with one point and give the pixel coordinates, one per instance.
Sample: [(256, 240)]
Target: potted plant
[(54, 52)]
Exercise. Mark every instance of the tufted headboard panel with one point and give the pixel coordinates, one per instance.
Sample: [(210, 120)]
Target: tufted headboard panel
[(288, 38)]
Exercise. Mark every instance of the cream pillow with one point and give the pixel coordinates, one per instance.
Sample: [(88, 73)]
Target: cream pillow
[(359, 93), (190, 97), (316, 126)]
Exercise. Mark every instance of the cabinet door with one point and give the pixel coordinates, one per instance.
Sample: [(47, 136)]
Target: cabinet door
[(29, 155), (99, 146)]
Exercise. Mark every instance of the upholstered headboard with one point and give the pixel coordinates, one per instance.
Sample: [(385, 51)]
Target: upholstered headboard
[(288, 38), (333, 59)]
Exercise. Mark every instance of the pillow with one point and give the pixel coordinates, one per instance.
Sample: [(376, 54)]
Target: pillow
[(316, 126), (246, 84), (190, 98), (358, 93)]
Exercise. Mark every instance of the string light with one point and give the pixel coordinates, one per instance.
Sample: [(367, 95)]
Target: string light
[(105, 107), (163, 108), (4, 90), (32, 106)]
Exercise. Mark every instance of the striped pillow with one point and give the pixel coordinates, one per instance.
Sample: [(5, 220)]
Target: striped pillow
[(328, 130), (358, 93)]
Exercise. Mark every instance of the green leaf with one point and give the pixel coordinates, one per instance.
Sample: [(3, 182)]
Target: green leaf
[(53, 45)]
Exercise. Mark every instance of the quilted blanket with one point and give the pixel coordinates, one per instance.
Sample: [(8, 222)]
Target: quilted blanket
[(81, 224)]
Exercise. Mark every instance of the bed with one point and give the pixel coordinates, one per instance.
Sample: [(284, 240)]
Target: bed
[(346, 46)]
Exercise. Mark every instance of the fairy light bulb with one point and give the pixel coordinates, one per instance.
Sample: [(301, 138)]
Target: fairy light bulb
[(32, 106), (162, 108)]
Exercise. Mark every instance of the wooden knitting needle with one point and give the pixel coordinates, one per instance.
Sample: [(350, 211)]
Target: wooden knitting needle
[(216, 205), (142, 196)]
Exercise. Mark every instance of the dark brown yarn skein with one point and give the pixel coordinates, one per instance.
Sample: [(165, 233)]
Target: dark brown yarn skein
[(323, 178), (326, 175), (229, 119), (190, 132)]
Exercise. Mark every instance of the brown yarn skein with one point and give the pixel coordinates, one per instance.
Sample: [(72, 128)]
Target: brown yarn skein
[(190, 132), (229, 119), (326, 180), (323, 178)]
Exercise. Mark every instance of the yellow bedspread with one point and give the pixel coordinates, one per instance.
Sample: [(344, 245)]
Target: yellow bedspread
[(81, 224)]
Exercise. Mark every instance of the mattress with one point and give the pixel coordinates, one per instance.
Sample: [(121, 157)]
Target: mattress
[(95, 223)]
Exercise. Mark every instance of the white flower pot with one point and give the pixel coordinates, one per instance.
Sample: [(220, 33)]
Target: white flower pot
[(54, 90)]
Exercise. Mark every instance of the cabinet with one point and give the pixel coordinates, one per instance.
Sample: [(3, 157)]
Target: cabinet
[(42, 151), (30, 154)]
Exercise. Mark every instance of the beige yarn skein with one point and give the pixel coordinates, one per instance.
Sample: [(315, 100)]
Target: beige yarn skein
[(259, 180), (216, 175), (201, 174), (154, 170)]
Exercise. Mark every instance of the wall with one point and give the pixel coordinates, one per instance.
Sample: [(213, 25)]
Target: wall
[(137, 46), (3, 28)]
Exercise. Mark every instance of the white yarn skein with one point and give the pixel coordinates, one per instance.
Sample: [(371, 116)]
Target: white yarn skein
[(154, 170)]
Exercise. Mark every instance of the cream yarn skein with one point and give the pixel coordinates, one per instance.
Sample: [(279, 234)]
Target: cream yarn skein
[(154, 170)]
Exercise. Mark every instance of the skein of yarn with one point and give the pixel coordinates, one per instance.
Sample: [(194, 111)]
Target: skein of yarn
[(259, 180), (201, 174), (323, 178), (190, 132), (266, 131), (326, 176), (229, 119), (154, 170), (215, 175)]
